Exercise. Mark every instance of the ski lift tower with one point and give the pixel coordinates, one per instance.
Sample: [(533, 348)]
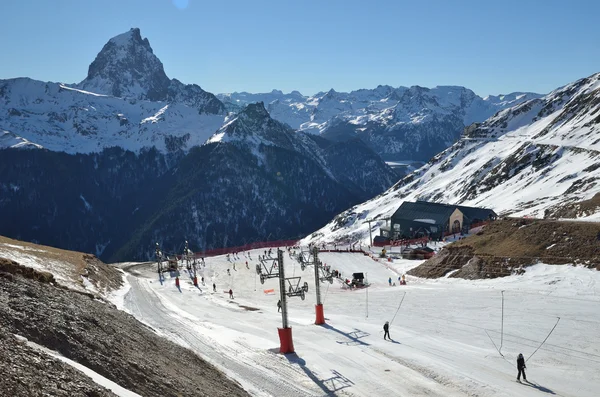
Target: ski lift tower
[(320, 316), (286, 343), (321, 275), (190, 263), (285, 332)]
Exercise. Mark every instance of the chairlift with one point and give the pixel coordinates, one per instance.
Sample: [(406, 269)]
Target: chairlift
[(297, 289)]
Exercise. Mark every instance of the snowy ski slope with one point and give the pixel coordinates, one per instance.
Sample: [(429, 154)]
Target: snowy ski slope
[(445, 334)]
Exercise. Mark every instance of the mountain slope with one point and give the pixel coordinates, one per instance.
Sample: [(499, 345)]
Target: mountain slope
[(256, 179), (64, 119), (531, 159)]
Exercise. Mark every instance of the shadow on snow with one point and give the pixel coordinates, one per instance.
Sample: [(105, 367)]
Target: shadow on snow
[(354, 336), (330, 385)]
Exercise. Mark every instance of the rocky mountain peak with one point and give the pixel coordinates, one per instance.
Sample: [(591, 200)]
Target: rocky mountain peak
[(254, 126), (127, 67), (255, 111)]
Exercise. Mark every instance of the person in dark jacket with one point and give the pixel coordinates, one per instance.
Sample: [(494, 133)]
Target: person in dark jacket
[(521, 367), (279, 306), (386, 330), (230, 293)]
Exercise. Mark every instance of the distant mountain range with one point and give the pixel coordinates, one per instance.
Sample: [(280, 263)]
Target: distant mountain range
[(540, 158), (399, 124)]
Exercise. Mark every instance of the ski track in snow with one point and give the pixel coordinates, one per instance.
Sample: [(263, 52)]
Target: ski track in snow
[(440, 336)]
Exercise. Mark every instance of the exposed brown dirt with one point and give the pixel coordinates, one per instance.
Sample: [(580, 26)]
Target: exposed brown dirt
[(574, 210), (75, 264), (9, 268), (506, 246)]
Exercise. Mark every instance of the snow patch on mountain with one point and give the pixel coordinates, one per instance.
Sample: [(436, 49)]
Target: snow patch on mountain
[(10, 140), (62, 118)]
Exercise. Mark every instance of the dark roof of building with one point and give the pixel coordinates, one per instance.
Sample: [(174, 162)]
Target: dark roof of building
[(469, 212), (423, 210), (422, 249), (438, 212)]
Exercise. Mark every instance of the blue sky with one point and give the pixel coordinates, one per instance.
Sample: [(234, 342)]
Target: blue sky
[(491, 47)]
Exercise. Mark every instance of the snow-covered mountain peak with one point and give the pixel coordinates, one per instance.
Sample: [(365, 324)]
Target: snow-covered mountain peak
[(133, 36), (254, 112), (126, 67), (253, 126)]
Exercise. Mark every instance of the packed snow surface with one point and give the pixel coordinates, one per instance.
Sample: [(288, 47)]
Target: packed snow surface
[(445, 335)]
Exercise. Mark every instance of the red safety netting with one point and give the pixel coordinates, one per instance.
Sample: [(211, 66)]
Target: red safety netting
[(247, 247)]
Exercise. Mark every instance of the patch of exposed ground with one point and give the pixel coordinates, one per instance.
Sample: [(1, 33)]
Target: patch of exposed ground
[(97, 335), (68, 267), (506, 246), (575, 210)]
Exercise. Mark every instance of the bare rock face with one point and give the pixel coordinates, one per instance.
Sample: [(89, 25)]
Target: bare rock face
[(127, 67)]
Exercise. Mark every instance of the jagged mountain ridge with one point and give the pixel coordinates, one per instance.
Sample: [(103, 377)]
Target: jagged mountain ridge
[(398, 123), (529, 160), (64, 119), (352, 163)]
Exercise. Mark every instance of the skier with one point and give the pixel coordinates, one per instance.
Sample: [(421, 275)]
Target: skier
[(247, 267), (230, 293), (214, 287), (390, 281), (386, 330), (202, 280), (233, 265), (521, 367), (279, 306)]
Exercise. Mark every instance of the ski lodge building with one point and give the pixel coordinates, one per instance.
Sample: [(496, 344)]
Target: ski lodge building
[(422, 218)]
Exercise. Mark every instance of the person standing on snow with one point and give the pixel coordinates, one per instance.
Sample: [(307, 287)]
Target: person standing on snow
[(521, 367), (390, 282), (279, 306), (230, 293), (386, 330), (214, 287)]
